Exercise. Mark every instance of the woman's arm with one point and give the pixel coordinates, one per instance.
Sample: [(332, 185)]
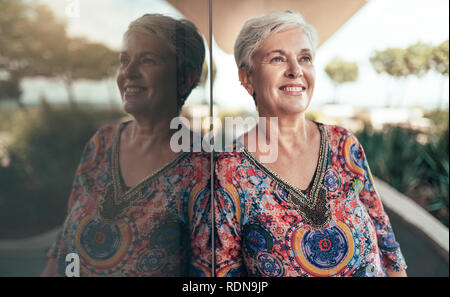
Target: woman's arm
[(392, 256)]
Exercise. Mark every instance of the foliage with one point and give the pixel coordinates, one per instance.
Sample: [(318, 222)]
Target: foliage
[(439, 118), (341, 71), (417, 59), (439, 59), (390, 61), (421, 171), (47, 145), (33, 42)]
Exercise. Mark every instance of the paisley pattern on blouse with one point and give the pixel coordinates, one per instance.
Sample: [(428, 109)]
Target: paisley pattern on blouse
[(161, 231), (261, 233)]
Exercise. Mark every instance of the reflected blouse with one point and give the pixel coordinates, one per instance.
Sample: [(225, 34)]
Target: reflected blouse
[(336, 227), (156, 228)]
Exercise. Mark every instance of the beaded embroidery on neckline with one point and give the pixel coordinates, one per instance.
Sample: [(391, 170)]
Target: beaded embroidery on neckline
[(314, 206), (117, 198)]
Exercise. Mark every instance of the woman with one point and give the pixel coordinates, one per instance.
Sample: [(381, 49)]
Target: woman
[(135, 205), (313, 211)]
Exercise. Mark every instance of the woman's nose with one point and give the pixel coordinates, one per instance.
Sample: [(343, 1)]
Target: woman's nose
[(294, 70), (131, 71)]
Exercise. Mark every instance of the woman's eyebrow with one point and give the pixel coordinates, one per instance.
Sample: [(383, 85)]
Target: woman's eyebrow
[(305, 50), (280, 51)]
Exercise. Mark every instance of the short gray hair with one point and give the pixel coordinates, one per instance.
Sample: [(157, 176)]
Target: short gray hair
[(257, 29), (183, 39)]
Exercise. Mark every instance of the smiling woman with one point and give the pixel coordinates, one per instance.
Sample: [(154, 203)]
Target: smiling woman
[(136, 207), (314, 211)]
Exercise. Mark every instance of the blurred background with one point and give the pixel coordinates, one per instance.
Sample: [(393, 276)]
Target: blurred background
[(382, 72)]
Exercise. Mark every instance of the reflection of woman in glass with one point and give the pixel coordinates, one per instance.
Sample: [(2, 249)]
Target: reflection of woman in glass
[(314, 211), (133, 206)]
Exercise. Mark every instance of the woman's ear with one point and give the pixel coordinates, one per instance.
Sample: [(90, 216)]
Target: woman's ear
[(246, 80)]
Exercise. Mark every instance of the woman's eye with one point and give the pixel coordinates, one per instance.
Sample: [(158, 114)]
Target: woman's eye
[(147, 61), (306, 59), (123, 61), (277, 59)]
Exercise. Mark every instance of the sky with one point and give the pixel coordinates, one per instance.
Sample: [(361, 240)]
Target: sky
[(378, 25)]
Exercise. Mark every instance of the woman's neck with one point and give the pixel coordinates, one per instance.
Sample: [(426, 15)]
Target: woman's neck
[(148, 133), (290, 131)]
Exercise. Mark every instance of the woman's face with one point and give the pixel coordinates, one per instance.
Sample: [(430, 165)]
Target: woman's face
[(147, 75), (283, 74)]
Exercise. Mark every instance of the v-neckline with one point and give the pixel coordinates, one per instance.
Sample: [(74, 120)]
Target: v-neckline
[(119, 182), (117, 198), (304, 202)]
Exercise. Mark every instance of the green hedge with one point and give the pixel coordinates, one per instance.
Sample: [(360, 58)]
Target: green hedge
[(47, 145), (419, 169)]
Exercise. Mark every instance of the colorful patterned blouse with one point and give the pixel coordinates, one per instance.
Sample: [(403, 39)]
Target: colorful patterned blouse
[(156, 228), (337, 227)]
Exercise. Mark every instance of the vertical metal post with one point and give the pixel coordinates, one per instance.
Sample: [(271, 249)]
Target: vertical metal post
[(213, 272)]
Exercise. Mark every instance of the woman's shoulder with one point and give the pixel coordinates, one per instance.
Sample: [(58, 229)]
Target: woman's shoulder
[(108, 130), (101, 140), (105, 134), (338, 134), (335, 130)]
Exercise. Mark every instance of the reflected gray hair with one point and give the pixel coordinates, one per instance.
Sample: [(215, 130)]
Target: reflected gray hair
[(257, 29), (182, 37)]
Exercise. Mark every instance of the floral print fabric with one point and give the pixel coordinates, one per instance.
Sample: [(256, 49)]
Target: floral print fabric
[(261, 233), (161, 231)]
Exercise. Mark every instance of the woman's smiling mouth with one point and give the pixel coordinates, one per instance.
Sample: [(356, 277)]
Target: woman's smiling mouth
[(133, 90), (293, 90)]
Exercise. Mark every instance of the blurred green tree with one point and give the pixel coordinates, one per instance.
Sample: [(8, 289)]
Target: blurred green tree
[(14, 55), (33, 43), (392, 62), (417, 59), (439, 58), (85, 60), (341, 72)]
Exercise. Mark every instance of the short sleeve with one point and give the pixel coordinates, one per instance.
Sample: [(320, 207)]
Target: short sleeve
[(391, 254)]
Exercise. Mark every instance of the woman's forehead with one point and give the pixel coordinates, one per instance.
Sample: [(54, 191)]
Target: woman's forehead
[(295, 39), (137, 41)]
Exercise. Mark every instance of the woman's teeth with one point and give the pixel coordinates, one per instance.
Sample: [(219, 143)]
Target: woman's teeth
[(293, 89), (134, 90)]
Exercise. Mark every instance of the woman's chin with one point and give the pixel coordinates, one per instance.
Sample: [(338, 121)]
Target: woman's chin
[(295, 106), (131, 107)]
